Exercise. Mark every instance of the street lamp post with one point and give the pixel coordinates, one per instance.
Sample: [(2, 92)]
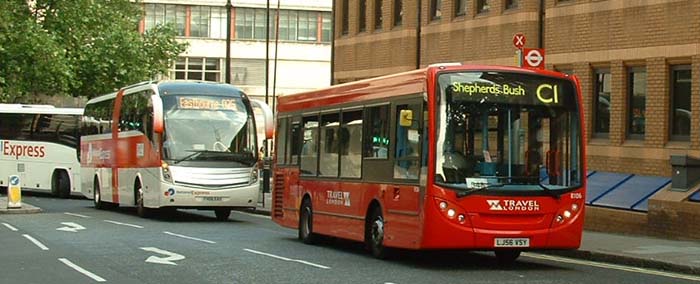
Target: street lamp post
[(228, 41)]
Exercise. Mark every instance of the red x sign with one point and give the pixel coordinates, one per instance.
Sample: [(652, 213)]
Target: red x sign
[(519, 40)]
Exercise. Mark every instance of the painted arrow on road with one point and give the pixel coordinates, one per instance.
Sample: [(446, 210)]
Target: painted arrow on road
[(170, 256), (70, 227)]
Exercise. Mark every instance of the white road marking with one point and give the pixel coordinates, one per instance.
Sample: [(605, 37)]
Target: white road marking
[(76, 215), (171, 256), (37, 243), (189, 238), (124, 224), (613, 266), (10, 227), (82, 270), (70, 227), (287, 259)]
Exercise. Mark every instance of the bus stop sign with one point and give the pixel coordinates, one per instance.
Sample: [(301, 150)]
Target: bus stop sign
[(533, 58), (519, 40)]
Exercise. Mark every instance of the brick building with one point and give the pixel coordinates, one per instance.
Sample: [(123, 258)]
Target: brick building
[(638, 62)]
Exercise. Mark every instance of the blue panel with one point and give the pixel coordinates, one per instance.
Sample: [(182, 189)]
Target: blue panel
[(643, 205), (695, 196), (633, 192), (602, 182)]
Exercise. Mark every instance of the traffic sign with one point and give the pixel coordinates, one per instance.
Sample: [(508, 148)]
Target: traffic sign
[(533, 58), (519, 40), (14, 192)]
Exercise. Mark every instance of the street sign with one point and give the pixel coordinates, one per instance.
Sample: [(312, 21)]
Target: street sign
[(519, 40), (14, 193), (533, 58)]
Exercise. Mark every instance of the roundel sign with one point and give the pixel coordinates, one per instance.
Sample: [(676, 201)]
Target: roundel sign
[(533, 58)]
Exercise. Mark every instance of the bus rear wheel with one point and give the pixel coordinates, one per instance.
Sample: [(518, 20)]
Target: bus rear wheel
[(60, 184), (506, 257), (306, 232), (374, 234)]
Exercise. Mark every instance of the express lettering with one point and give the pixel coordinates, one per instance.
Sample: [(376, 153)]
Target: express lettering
[(37, 151)]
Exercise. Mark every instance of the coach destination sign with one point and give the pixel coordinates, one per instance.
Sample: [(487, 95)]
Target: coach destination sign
[(511, 88)]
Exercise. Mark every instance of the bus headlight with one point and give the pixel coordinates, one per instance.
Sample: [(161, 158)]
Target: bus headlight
[(165, 171), (254, 176)]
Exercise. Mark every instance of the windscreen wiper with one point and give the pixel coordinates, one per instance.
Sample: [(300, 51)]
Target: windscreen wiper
[(548, 190), (191, 156), (477, 189)]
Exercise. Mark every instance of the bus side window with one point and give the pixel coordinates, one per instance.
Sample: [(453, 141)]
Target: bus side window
[(294, 142), (408, 138)]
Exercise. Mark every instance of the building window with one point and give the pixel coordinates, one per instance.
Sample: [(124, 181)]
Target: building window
[(398, 12), (250, 24), (288, 25), (326, 27), (199, 21), (344, 18), (308, 26), (637, 95), (680, 102), (602, 102), (159, 14), (197, 68), (512, 4), (378, 18), (362, 10), (460, 7), (435, 9), (482, 6)]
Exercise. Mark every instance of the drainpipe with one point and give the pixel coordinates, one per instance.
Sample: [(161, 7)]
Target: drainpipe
[(418, 31), (540, 42)]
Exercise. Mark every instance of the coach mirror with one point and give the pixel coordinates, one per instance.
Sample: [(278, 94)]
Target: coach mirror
[(406, 118), (264, 109), (157, 113)]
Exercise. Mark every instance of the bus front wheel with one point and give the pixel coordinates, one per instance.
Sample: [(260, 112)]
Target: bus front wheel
[(222, 214), (306, 232), (506, 257)]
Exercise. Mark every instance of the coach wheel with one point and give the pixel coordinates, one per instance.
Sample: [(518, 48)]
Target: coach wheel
[(60, 184), (222, 214), (306, 233), (506, 257), (374, 233), (96, 196), (141, 210)]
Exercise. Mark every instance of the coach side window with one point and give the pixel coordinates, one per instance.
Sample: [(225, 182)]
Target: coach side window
[(350, 138), (376, 144), (309, 147)]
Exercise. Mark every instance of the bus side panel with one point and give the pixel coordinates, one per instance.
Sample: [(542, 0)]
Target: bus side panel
[(134, 152), (36, 162), (286, 197), (337, 211), (97, 159), (402, 216)]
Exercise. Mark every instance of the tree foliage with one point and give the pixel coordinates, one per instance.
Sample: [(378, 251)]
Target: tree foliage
[(79, 48)]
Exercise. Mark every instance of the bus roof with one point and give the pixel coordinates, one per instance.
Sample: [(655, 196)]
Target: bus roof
[(376, 89), (38, 109), (178, 87)]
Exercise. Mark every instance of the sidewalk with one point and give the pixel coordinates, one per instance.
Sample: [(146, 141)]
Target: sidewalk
[(25, 209), (637, 251)]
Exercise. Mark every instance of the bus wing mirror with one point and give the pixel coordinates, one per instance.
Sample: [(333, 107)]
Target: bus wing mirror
[(267, 116), (157, 113), (406, 118)]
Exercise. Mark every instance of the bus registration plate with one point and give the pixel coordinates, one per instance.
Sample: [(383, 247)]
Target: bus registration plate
[(511, 242)]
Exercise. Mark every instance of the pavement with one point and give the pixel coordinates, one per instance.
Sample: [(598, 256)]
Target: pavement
[(638, 251)]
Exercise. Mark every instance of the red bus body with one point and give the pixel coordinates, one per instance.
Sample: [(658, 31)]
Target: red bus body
[(412, 215)]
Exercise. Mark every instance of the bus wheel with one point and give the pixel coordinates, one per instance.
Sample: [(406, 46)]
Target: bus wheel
[(60, 184), (222, 214), (141, 210), (374, 234), (306, 232), (96, 196), (506, 257)]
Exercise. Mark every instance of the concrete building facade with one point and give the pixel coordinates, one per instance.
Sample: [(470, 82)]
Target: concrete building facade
[(303, 52), (638, 62)]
